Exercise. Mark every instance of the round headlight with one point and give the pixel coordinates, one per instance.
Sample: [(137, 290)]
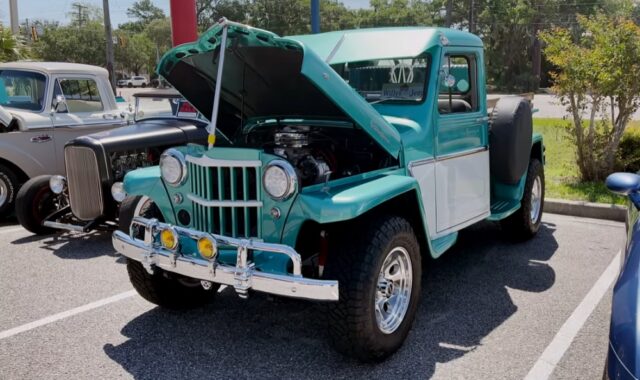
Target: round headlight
[(279, 180), (57, 183), (173, 167), (117, 192)]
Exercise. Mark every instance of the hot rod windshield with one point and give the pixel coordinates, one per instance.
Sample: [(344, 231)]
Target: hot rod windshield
[(397, 79)]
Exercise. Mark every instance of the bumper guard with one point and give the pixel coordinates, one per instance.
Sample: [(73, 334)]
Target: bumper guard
[(242, 276)]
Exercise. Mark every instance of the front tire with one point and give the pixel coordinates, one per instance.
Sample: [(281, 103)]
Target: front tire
[(525, 223), (379, 275), (162, 288), (8, 189), (35, 201)]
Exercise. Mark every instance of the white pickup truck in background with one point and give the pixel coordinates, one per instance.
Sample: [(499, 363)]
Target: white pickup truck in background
[(42, 106)]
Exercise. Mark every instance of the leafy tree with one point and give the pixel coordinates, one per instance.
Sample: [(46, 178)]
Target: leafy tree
[(136, 53), (143, 12), (598, 73), (12, 47), (82, 44), (159, 32)]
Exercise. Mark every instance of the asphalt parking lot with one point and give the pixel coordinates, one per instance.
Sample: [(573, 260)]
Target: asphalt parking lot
[(489, 309)]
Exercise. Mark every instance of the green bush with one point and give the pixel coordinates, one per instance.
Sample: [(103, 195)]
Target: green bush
[(628, 159)]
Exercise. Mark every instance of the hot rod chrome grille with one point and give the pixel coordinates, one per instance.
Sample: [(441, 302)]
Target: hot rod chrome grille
[(225, 195), (83, 178)]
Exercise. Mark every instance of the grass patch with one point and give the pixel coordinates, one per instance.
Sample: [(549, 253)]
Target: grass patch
[(561, 171)]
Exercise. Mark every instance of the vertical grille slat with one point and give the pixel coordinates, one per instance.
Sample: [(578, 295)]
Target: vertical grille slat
[(231, 184), (85, 185)]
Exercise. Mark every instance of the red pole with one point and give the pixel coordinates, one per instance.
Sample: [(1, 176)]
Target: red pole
[(184, 25)]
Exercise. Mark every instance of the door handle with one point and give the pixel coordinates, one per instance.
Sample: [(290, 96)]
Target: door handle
[(41, 139), (482, 119)]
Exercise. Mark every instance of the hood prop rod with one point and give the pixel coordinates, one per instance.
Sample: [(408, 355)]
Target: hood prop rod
[(216, 96)]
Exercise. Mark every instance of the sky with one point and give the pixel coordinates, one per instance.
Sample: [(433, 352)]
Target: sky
[(58, 9)]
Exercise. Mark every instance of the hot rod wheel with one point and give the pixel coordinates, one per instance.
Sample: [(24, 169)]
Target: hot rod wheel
[(35, 201), (164, 289), (380, 278)]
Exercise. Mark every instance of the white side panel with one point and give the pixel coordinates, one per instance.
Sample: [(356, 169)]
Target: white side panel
[(462, 190), (425, 173)]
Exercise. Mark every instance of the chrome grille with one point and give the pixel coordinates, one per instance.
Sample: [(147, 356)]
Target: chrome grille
[(83, 179), (226, 196)]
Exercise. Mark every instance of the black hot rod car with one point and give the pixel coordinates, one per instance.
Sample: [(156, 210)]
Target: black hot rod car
[(96, 164)]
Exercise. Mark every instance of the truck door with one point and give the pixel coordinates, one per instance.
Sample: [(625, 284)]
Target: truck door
[(462, 155), (82, 110), (24, 92)]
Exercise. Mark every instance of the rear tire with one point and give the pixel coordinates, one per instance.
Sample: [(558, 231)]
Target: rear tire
[(162, 288), (130, 85), (525, 223), (8, 190), (35, 201), (367, 323)]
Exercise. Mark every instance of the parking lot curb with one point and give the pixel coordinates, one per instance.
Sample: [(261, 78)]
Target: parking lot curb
[(585, 209)]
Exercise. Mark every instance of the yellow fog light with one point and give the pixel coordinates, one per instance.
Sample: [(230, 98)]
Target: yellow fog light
[(169, 238), (207, 247)]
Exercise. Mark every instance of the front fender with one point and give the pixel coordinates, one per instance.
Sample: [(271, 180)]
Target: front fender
[(147, 182), (350, 201)]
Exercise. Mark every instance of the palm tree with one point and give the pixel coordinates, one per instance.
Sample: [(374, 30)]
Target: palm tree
[(12, 47)]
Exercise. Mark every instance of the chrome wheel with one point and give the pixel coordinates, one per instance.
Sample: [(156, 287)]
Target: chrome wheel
[(393, 292), (536, 200), (4, 192)]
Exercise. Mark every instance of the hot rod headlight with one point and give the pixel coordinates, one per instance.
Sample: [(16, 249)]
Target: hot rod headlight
[(173, 167), (279, 180), (57, 184)]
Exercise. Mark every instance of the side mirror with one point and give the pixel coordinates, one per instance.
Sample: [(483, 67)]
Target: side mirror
[(623, 183), (59, 104)]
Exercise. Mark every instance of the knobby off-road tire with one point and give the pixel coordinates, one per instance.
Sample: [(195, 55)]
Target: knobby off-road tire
[(35, 201), (8, 190), (525, 223), (356, 261), (161, 288)]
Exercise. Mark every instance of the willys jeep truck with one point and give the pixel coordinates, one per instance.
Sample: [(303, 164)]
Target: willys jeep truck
[(336, 163)]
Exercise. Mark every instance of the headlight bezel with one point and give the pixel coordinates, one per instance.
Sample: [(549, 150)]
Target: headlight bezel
[(177, 155), (291, 178)]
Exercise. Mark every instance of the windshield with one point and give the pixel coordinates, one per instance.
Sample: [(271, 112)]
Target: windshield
[(22, 89), (152, 107), (398, 79)]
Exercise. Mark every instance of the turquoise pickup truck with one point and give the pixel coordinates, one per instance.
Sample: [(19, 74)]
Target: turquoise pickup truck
[(336, 163)]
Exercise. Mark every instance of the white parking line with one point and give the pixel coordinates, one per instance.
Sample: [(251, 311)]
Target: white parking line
[(65, 314), (562, 341)]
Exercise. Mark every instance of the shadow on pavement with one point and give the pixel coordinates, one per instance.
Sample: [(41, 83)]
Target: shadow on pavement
[(464, 298), (74, 246)]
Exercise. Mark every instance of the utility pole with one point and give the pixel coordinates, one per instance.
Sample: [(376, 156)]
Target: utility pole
[(109, 38), (81, 13), (13, 11), (472, 26), (449, 11)]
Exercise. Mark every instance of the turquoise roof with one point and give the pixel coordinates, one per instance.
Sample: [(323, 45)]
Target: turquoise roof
[(380, 43)]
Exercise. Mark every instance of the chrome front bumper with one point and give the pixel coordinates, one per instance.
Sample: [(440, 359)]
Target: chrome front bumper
[(243, 276)]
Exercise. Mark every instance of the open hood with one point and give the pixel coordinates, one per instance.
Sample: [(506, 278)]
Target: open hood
[(267, 76)]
